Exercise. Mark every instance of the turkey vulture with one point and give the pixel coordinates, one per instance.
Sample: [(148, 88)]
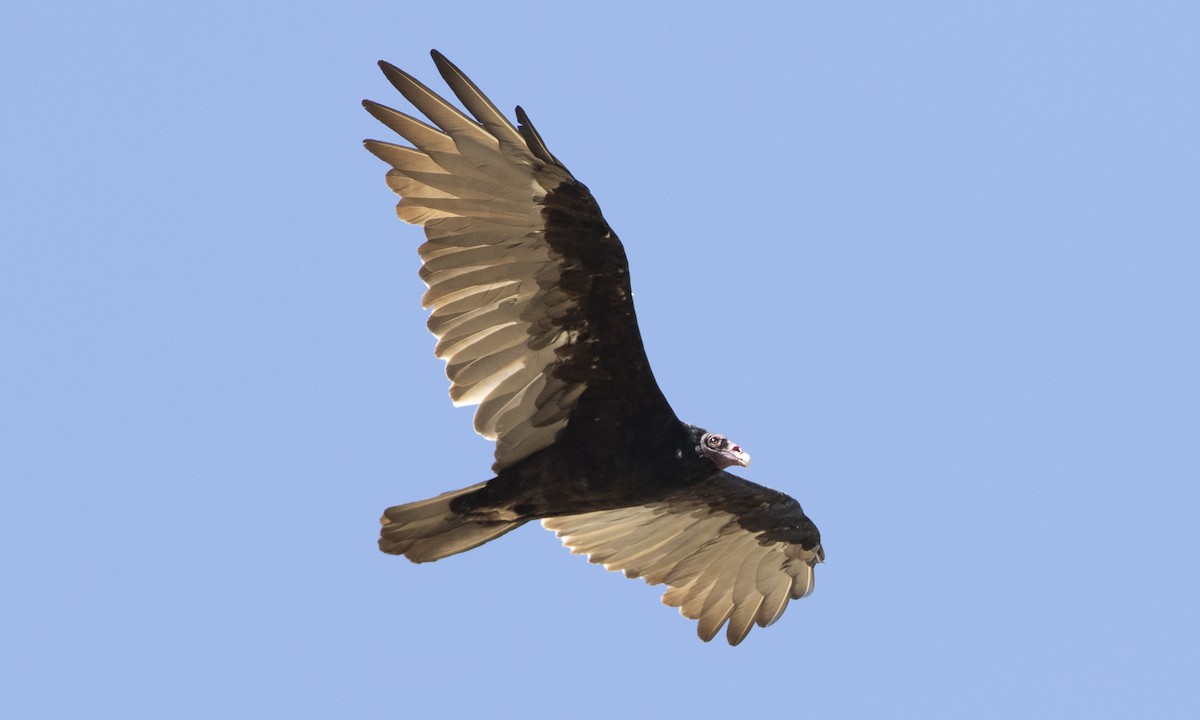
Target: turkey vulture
[(533, 314)]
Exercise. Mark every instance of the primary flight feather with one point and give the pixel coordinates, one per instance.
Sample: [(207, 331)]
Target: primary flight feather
[(533, 312)]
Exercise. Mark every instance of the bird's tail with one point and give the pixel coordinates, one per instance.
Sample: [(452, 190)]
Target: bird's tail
[(429, 530)]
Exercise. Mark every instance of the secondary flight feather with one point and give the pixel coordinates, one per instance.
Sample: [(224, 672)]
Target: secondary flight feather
[(533, 313)]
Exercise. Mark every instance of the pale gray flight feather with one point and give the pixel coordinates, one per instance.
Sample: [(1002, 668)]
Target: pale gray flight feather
[(477, 187), (716, 571)]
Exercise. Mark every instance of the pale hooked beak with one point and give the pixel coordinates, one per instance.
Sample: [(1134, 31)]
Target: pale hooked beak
[(742, 457)]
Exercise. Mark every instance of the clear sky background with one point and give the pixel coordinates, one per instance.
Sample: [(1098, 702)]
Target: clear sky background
[(935, 264)]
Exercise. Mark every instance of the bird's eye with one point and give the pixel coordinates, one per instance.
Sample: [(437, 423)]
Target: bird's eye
[(715, 441)]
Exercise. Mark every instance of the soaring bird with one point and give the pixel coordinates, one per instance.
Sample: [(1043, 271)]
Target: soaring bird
[(533, 314)]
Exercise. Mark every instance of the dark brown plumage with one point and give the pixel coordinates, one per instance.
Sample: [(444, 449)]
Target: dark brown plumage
[(533, 312)]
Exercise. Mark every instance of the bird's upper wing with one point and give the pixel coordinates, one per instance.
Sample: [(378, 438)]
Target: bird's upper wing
[(528, 284), (728, 549)]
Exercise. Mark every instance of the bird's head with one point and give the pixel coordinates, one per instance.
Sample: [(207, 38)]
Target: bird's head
[(722, 451)]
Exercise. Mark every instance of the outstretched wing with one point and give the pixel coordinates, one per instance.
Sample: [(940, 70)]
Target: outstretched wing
[(728, 549), (529, 286)]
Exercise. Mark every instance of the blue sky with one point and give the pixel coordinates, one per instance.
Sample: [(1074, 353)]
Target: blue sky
[(935, 265)]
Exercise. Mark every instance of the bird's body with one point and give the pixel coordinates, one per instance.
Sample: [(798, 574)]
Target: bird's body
[(533, 309)]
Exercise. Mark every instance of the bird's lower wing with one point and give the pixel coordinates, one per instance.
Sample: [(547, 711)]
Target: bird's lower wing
[(730, 551)]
